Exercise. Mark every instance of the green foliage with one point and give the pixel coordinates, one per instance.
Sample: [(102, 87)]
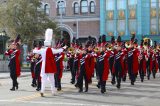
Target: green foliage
[(25, 17)]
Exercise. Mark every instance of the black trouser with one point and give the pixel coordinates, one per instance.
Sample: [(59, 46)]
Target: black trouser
[(57, 79), (96, 67), (148, 69), (111, 62), (132, 76), (154, 70), (82, 76), (13, 76), (73, 73), (37, 75), (100, 72), (159, 63), (118, 72), (141, 71)]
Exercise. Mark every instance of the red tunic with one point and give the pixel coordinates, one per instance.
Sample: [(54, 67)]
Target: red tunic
[(17, 56), (106, 67), (50, 66), (61, 65)]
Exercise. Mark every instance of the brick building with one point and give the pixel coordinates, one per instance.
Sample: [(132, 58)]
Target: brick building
[(76, 18)]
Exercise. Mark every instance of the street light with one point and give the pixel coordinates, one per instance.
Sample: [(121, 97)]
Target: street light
[(61, 15), (2, 34)]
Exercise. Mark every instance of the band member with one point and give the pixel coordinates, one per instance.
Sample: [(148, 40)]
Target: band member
[(48, 61), (31, 59), (132, 61), (58, 75), (118, 67), (84, 72), (72, 59), (142, 61), (147, 44), (111, 61), (154, 62), (14, 64), (37, 67)]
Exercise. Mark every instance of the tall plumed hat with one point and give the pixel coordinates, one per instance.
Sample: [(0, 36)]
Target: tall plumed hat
[(133, 38), (17, 40), (112, 40), (48, 37)]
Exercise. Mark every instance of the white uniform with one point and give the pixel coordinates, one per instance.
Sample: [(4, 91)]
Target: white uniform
[(44, 75)]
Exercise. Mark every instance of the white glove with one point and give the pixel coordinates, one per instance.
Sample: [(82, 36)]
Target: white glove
[(65, 47)]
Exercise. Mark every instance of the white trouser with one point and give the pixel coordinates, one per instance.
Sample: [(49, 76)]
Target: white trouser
[(51, 79)]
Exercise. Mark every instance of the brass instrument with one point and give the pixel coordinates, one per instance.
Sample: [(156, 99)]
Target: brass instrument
[(96, 49), (70, 50), (158, 47), (146, 42), (109, 47), (128, 44)]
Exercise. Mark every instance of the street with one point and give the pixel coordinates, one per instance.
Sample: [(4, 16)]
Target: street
[(141, 94)]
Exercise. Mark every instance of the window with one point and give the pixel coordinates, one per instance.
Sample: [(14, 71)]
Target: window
[(46, 9), (76, 8), (84, 6), (92, 7), (110, 4), (61, 7), (121, 4), (153, 3)]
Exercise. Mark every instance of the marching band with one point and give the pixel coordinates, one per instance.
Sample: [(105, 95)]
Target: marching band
[(116, 58)]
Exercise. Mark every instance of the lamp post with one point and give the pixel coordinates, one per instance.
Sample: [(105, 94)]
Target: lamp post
[(61, 16), (3, 34)]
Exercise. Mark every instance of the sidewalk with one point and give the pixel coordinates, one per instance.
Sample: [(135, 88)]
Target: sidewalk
[(7, 75)]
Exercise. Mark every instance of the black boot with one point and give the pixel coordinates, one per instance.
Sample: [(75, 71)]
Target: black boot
[(12, 89), (17, 86)]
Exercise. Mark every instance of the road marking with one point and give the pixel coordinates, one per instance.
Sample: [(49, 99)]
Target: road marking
[(59, 103), (30, 97)]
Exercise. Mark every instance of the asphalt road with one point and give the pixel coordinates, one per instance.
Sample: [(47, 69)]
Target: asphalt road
[(141, 94)]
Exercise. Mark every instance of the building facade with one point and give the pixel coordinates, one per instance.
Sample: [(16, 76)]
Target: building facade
[(76, 18), (127, 17)]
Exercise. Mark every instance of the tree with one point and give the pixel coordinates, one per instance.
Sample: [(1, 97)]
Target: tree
[(25, 17)]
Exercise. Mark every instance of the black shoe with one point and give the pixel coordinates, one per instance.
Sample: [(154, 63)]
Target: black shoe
[(12, 89), (118, 86), (38, 89), (42, 95), (132, 83), (141, 80), (98, 86), (17, 87), (124, 79), (80, 91), (72, 82), (76, 85), (33, 85), (86, 90), (58, 89), (113, 82), (102, 91)]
